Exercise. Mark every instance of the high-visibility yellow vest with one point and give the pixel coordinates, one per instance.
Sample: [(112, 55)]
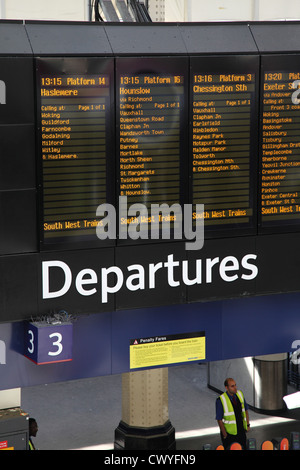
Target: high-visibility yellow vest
[(228, 413), (31, 446)]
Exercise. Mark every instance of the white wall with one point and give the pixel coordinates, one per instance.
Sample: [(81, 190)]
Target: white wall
[(157, 10), (279, 9), (175, 10), (64, 10), (231, 10), (208, 10)]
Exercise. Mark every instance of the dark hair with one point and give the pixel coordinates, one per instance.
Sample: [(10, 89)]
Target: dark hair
[(226, 381)]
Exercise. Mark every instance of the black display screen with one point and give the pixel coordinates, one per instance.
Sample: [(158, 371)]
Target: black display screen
[(223, 112), (280, 143), (76, 146), (151, 113)]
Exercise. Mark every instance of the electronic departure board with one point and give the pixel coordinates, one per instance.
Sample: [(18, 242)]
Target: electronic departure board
[(280, 142), (164, 132), (76, 146), (151, 136), (224, 141)]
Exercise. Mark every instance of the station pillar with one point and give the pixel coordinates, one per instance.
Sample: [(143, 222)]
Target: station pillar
[(263, 379), (145, 421)]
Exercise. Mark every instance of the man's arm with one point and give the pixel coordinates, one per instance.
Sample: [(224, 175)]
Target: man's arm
[(222, 428), (219, 417), (247, 419)]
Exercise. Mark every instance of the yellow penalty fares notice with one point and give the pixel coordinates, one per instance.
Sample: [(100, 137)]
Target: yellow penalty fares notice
[(163, 350)]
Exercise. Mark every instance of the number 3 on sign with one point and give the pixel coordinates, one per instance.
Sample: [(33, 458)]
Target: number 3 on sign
[(57, 343), (30, 349), (49, 344)]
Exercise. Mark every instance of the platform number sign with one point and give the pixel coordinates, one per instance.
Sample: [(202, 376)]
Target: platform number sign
[(48, 344)]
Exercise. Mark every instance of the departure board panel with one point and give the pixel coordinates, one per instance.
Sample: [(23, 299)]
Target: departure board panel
[(152, 136), (280, 142), (224, 141), (76, 146)]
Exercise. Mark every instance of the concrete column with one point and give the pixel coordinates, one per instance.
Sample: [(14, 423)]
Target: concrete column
[(145, 416)]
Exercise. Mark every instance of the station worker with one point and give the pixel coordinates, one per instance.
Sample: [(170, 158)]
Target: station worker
[(232, 415)]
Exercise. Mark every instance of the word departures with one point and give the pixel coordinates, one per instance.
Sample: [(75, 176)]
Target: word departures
[(110, 280)]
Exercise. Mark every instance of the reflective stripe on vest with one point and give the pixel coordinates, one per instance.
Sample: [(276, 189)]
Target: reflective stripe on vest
[(228, 413)]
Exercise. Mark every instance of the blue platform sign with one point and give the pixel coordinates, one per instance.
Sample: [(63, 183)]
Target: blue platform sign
[(48, 343)]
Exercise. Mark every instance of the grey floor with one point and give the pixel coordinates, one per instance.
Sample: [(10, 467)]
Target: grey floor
[(83, 414)]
